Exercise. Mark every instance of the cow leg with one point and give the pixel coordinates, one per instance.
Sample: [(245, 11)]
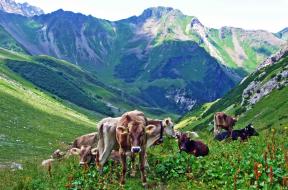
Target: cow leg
[(216, 130), (230, 129), (142, 159), (146, 162), (133, 165), (124, 166)]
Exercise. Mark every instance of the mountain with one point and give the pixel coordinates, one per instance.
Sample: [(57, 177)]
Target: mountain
[(283, 34), (260, 98), (24, 9), (65, 81), (167, 59)]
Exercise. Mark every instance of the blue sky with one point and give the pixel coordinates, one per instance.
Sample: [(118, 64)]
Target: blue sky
[(271, 15)]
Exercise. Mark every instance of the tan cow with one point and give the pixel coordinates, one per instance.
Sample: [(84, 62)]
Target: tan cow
[(131, 135), (223, 121), (162, 126)]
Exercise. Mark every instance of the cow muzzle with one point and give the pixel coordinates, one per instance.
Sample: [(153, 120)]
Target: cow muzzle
[(136, 149), (81, 163)]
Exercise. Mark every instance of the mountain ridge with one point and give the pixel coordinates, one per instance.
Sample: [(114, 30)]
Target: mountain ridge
[(24, 9), (162, 51)]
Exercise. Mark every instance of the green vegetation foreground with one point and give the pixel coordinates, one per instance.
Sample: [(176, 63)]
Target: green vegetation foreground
[(261, 162)]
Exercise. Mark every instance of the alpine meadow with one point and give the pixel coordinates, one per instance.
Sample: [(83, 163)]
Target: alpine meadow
[(153, 101)]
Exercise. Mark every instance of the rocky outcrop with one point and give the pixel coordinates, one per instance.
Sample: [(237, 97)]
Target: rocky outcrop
[(24, 9), (256, 90), (274, 58)]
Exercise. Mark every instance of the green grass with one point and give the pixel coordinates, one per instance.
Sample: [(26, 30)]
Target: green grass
[(33, 124), (228, 164)]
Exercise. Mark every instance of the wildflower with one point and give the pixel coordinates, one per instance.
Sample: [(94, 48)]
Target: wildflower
[(271, 174), (257, 173)]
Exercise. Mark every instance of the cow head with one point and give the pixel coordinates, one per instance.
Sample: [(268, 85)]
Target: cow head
[(87, 154), (183, 140), (250, 130), (168, 127), (137, 136), (57, 154)]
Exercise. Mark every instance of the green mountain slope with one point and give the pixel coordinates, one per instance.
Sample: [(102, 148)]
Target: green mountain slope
[(8, 42), (69, 82), (260, 99)]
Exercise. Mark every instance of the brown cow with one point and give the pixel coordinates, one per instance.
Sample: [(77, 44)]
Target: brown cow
[(131, 136), (223, 121), (197, 148), (85, 140), (107, 138)]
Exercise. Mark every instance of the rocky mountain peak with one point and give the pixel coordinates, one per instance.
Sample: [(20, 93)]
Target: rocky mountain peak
[(195, 21), (158, 12), (25, 9)]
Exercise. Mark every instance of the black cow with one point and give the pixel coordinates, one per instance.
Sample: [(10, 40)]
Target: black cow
[(241, 134)]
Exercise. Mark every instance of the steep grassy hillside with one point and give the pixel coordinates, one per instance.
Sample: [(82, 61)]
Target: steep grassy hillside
[(33, 123), (69, 82), (270, 111)]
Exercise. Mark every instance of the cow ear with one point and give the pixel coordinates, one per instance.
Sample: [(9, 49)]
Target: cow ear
[(94, 151), (167, 121), (122, 129), (75, 151), (150, 129), (128, 118)]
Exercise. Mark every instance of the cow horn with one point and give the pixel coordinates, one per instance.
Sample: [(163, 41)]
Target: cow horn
[(94, 151), (75, 151)]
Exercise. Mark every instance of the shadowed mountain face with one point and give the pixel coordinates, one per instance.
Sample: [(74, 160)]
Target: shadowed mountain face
[(24, 9), (164, 57), (283, 34)]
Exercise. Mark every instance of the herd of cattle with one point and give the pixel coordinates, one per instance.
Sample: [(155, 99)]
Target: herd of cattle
[(133, 133)]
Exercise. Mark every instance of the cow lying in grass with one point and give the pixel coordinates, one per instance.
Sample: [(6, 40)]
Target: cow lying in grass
[(241, 134), (197, 148)]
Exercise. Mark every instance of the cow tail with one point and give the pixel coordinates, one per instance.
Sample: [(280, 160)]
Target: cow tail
[(100, 131)]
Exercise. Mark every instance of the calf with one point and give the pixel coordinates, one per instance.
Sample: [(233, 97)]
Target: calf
[(223, 121), (87, 154), (131, 135), (241, 134), (197, 148)]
